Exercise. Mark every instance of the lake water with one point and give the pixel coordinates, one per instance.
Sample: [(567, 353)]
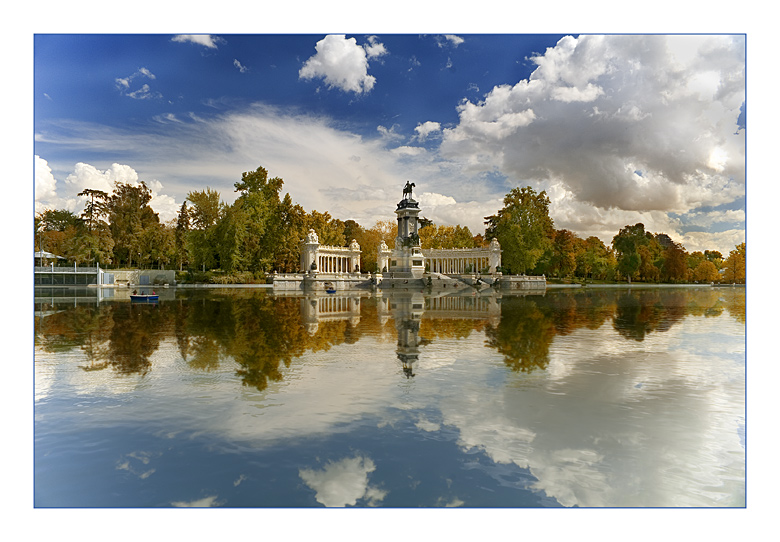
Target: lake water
[(241, 398)]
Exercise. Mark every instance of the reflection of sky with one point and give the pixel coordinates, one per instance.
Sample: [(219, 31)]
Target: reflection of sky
[(612, 422)]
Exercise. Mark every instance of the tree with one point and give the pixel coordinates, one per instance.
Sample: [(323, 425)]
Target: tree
[(675, 267), (595, 260), (50, 230), (563, 260), (95, 211), (206, 211), (292, 232), (129, 214), (329, 231), (734, 265), (523, 227), (626, 244), (181, 255), (706, 272)]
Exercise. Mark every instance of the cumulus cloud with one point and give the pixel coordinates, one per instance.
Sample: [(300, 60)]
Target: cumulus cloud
[(642, 123), (342, 63), (423, 130), (45, 183), (205, 40), (449, 39), (343, 482), (88, 176)]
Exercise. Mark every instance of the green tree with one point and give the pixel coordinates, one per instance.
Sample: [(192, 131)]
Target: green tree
[(206, 212), (181, 255), (329, 231), (129, 214), (291, 233), (523, 227), (626, 244), (595, 260)]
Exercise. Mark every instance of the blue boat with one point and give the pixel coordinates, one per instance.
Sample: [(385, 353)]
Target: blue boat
[(144, 298), (330, 288)]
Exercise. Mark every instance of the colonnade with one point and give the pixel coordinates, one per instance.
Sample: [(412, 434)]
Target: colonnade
[(458, 266), (334, 264)]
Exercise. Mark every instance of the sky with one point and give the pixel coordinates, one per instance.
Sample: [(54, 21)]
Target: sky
[(616, 128)]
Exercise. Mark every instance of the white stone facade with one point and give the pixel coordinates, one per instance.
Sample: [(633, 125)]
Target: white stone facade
[(460, 261), (329, 259)]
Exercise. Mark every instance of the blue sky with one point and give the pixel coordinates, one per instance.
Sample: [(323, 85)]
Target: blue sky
[(617, 129)]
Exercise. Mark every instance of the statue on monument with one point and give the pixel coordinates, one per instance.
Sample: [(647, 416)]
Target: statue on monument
[(408, 190)]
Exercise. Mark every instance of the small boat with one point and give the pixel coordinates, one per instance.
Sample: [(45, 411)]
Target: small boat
[(144, 298), (330, 288)]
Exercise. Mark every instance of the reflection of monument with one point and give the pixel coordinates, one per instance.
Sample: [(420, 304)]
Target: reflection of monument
[(316, 309), (407, 311)]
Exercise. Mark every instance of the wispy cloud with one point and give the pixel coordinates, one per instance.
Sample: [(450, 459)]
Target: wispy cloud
[(124, 84), (241, 67)]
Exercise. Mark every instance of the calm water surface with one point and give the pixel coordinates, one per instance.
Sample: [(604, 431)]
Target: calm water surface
[(240, 398)]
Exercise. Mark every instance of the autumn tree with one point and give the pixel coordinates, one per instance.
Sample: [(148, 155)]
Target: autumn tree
[(523, 227), (734, 265), (563, 258), (674, 267), (706, 272)]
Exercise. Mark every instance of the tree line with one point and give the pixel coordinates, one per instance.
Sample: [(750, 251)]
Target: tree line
[(261, 232), (532, 245)]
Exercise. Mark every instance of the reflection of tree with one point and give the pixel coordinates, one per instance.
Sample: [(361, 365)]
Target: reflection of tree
[(524, 334), (641, 312), (450, 328), (261, 332), (134, 336), (68, 329), (734, 301)]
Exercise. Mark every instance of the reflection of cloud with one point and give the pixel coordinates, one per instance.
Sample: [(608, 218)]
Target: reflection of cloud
[(344, 482), (426, 425), (136, 463), (662, 430), (206, 502)]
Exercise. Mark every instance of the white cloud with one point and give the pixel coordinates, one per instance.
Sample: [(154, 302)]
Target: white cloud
[(88, 176), (374, 49), (449, 39), (205, 502), (342, 63), (599, 109), (241, 67), (724, 242), (344, 482), (45, 184), (144, 92), (424, 129), (200, 39), (408, 151)]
